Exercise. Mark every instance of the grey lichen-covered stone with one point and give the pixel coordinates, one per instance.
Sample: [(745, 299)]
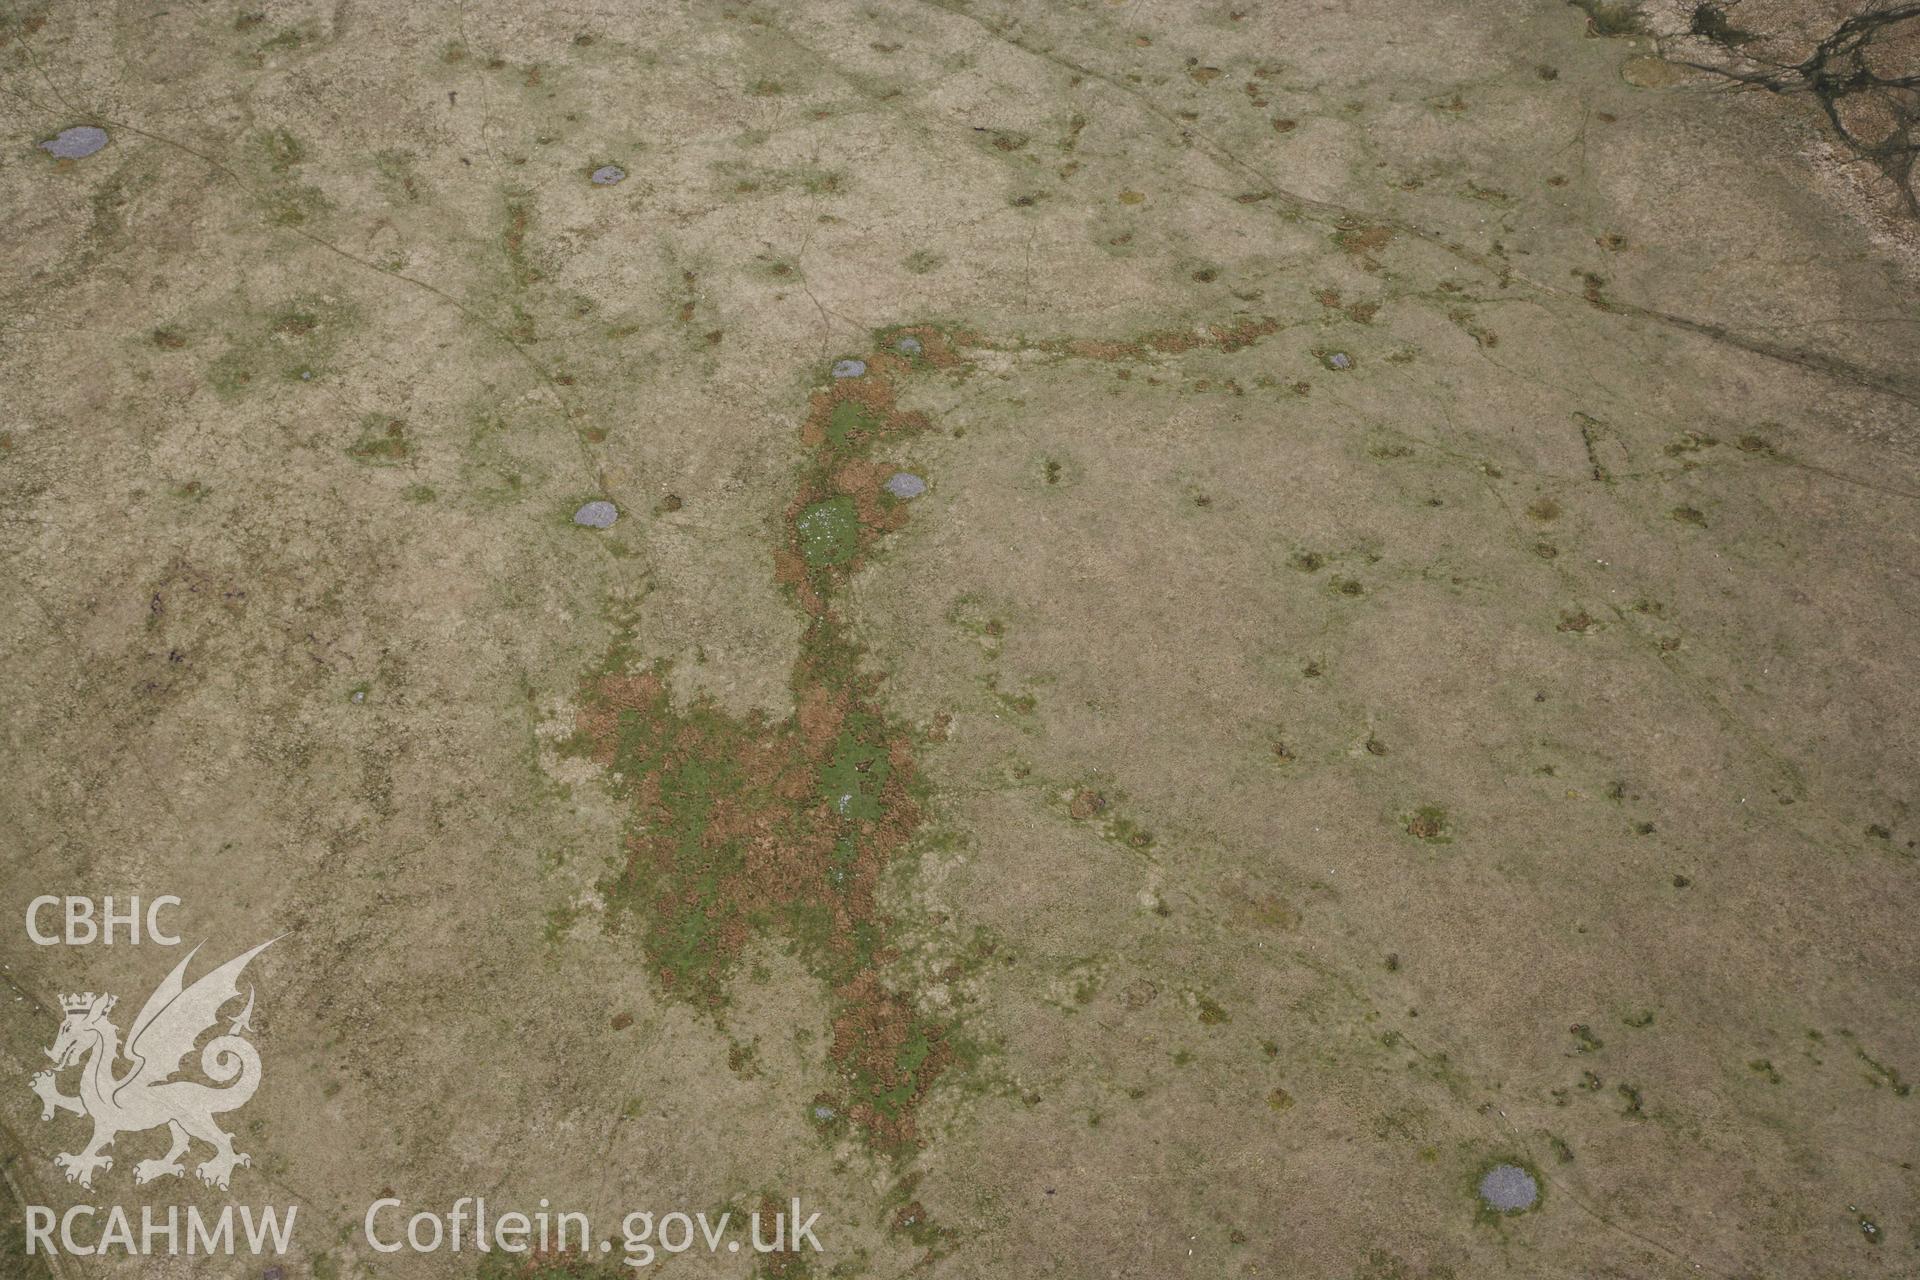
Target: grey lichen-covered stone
[(606, 175), (904, 485), (76, 143), (1509, 1189), (597, 515), (850, 369)]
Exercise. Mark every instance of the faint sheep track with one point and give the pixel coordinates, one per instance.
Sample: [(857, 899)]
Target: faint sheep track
[(1353, 218)]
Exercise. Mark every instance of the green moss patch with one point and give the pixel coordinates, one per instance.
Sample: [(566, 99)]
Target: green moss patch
[(829, 532)]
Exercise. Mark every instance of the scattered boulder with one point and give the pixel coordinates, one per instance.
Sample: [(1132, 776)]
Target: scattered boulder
[(77, 143), (597, 515)]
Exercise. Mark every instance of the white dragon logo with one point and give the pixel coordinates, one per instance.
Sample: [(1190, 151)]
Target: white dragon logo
[(145, 1096)]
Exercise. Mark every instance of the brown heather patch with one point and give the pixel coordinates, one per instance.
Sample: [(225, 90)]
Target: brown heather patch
[(1361, 240), (1088, 349), (789, 1261), (742, 827), (732, 838), (862, 482), (873, 393), (936, 350), (1173, 341), (843, 469), (514, 240), (1244, 334), (819, 718), (1086, 803), (877, 1040), (790, 571), (1221, 337)]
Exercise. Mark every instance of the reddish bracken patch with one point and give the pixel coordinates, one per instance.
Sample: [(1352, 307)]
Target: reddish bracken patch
[(741, 827)]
